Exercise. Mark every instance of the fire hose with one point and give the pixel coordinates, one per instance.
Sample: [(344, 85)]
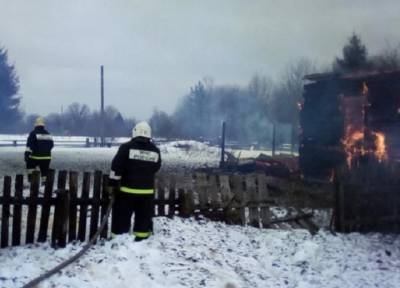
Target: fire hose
[(64, 264)]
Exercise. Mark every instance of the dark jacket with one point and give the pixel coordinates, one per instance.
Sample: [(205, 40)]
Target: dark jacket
[(135, 165), (39, 144)]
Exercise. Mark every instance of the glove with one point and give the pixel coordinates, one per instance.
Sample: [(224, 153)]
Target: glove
[(111, 191), (26, 156)]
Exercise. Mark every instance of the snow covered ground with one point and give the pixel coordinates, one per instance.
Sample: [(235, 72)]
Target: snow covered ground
[(194, 155), (187, 253)]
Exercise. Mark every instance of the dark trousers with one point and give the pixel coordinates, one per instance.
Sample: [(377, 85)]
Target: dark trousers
[(124, 206), (42, 164)]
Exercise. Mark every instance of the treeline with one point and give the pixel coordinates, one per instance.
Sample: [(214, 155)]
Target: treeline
[(78, 120), (250, 111)]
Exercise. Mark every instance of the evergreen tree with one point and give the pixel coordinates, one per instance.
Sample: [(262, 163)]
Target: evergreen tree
[(355, 56), (9, 101)]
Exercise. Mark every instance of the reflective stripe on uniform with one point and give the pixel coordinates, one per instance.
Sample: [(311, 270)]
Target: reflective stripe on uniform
[(40, 157), (142, 234), (143, 155), (136, 191), (44, 137), (114, 176)]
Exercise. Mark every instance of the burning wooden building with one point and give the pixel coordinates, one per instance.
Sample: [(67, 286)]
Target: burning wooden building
[(347, 118)]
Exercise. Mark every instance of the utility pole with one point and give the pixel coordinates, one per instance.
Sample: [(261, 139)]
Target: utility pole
[(273, 138), (222, 161), (102, 143)]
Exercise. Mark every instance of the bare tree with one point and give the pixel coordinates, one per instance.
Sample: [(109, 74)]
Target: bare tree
[(288, 96)]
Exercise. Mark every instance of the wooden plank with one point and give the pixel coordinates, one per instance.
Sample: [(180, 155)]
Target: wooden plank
[(263, 196), (5, 213), (225, 189), (83, 207), (32, 208), (73, 191), (61, 219), (47, 198), (104, 206), (94, 215), (252, 196), (161, 188), (186, 203), (172, 196), (57, 218), (17, 210), (213, 192), (238, 216), (201, 185)]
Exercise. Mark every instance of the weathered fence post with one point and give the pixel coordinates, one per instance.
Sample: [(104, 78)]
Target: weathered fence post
[(83, 207), (252, 195), (186, 203), (171, 196), (17, 211), (105, 201), (32, 207), (94, 215), (265, 214), (47, 198), (238, 215), (73, 190), (61, 219), (5, 213), (61, 212), (161, 196)]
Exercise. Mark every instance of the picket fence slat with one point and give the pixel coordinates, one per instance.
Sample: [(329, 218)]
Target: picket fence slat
[(58, 221), (161, 197), (105, 201), (17, 211), (83, 207), (252, 196), (172, 196), (32, 208), (73, 190), (94, 217), (47, 197), (5, 214)]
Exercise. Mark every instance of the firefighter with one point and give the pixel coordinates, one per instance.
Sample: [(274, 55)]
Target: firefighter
[(132, 183), (38, 150)]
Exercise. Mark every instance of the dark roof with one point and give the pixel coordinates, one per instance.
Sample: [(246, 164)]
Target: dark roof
[(361, 75)]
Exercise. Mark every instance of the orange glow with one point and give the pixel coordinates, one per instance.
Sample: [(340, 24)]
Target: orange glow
[(380, 146), (355, 147)]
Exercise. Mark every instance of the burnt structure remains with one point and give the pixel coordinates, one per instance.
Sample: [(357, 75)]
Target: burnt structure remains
[(350, 136), (347, 118)]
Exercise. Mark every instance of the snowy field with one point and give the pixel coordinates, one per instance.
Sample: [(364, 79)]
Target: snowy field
[(89, 159), (186, 253)]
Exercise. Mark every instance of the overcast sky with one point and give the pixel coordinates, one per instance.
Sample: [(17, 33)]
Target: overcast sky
[(155, 50)]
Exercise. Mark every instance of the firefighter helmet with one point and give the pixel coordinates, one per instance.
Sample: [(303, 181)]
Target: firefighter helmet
[(141, 129), (39, 121)]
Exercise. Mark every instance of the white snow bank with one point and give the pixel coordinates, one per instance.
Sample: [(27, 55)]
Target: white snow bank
[(186, 253)]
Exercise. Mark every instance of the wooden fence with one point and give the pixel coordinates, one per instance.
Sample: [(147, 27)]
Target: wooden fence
[(368, 198), (73, 209)]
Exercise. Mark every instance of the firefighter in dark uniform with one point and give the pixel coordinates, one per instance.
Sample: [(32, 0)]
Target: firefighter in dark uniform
[(38, 150), (132, 182)]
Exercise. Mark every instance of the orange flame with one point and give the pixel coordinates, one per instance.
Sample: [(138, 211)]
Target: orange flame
[(354, 145), (380, 146)]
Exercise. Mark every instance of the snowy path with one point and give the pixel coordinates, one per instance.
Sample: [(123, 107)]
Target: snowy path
[(186, 253)]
